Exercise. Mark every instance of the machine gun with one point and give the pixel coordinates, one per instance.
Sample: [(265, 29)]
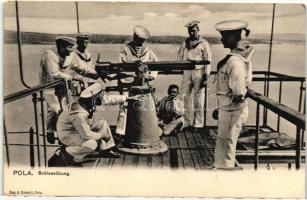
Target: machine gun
[(120, 70), (142, 133)]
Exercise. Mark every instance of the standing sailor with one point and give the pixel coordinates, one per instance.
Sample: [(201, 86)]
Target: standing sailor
[(84, 56), (136, 51), (53, 66), (232, 79), (194, 48)]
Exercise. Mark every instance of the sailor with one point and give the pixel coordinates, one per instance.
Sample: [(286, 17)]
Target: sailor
[(194, 48), (170, 110), (136, 51), (233, 77), (53, 66), (81, 66), (85, 58), (77, 131)]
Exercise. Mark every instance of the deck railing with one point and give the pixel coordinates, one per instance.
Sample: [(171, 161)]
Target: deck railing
[(34, 91), (291, 115)]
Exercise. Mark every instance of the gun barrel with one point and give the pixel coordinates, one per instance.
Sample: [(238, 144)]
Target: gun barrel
[(152, 66)]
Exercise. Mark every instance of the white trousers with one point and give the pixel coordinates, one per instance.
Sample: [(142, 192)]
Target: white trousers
[(192, 80), (229, 127), (79, 147), (53, 109), (172, 125)]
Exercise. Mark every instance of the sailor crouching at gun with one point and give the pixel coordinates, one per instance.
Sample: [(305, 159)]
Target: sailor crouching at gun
[(170, 110), (76, 131), (233, 77), (136, 51)]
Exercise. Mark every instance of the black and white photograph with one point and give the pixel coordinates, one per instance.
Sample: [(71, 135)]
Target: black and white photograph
[(201, 87)]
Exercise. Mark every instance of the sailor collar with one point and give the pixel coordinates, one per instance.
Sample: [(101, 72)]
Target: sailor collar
[(243, 51), (191, 44), (144, 49), (75, 108), (83, 55)]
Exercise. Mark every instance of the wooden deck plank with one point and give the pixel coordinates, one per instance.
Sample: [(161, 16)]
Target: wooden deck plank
[(157, 160), (143, 161), (176, 156), (198, 162), (166, 140), (118, 162), (190, 140), (105, 162), (182, 140), (130, 160), (208, 138), (166, 155), (188, 161), (205, 154)]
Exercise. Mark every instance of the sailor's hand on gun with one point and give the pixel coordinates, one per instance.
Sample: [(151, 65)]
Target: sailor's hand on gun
[(141, 66), (105, 76), (77, 69), (150, 78)]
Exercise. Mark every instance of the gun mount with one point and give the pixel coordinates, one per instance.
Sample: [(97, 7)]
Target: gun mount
[(142, 133)]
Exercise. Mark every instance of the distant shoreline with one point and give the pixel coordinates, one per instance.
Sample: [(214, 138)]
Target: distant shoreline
[(10, 37)]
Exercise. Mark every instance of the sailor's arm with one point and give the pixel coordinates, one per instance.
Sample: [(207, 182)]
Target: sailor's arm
[(114, 99), (53, 69), (80, 123), (153, 58), (85, 69), (178, 107), (207, 55), (122, 56), (181, 51), (236, 73)]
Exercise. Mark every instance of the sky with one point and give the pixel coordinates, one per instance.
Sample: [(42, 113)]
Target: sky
[(160, 18)]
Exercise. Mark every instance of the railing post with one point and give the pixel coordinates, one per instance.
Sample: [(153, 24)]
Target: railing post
[(300, 98), (43, 127), (256, 160), (264, 122), (32, 160), (279, 101), (205, 106), (303, 131), (298, 148), (34, 99), (6, 144)]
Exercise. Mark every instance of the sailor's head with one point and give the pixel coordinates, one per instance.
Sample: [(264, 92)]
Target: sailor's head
[(173, 90), (231, 32), (83, 39), (92, 96), (140, 34), (65, 45), (193, 28)]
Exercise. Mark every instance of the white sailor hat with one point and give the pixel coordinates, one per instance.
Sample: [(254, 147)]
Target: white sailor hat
[(192, 24), (141, 32), (68, 41), (92, 90), (83, 36), (231, 25)]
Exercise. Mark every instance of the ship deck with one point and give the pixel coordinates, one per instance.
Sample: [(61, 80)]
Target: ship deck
[(194, 150)]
